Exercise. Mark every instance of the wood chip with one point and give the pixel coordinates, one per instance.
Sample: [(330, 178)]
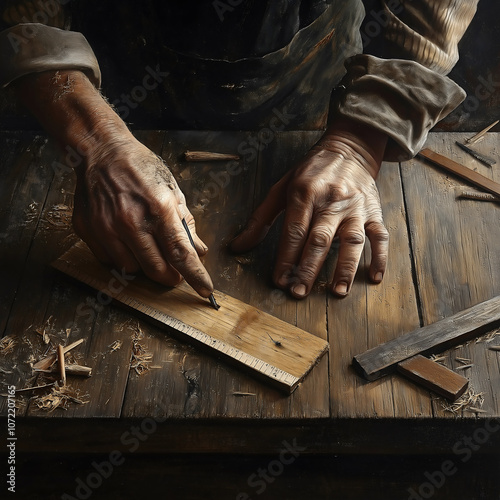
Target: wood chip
[(47, 362), (243, 394), (470, 399), (464, 367), (476, 410), (59, 397), (141, 357), (494, 348), (116, 345), (26, 389), (45, 329), (59, 217), (7, 344), (73, 369)]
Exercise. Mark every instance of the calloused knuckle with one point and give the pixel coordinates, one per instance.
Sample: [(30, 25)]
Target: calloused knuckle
[(296, 231), (321, 238), (378, 231), (353, 237)]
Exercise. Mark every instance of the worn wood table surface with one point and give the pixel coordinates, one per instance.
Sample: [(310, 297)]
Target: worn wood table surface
[(444, 257)]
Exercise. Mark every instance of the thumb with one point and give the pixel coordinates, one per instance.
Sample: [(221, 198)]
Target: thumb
[(262, 219)]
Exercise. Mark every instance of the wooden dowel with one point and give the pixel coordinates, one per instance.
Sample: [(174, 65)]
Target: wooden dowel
[(60, 359), (47, 362), (77, 370), (208, 156), (480, 134)]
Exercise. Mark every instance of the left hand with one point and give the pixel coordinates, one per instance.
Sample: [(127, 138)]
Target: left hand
[(331, 193)]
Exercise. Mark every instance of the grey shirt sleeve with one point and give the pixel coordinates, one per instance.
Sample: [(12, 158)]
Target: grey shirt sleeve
[(407, 93), (35, 38)]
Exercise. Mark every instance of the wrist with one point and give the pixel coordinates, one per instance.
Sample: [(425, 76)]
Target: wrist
[(365, 141), (71, 110)]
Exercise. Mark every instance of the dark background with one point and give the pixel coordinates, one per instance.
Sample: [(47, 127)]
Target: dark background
[(479, 65)]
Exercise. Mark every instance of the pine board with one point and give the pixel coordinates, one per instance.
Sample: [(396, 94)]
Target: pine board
[(237, 332)]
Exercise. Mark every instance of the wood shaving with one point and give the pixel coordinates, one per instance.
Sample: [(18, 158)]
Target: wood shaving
[(464, 367), (59, 397), (44, 330), (141, 357), (438, 359), (59, 217), (31, 212), (7, 344), (116, 345), (468, 400)]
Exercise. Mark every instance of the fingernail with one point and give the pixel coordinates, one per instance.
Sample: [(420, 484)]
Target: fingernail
[(283, 281), (341, 288), (299, 290), (378, 277)]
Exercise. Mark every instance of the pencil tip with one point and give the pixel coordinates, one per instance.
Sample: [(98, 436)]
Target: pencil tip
[(213, 302)]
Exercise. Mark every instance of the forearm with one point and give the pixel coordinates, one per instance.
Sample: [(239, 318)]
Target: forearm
[(71, 109)]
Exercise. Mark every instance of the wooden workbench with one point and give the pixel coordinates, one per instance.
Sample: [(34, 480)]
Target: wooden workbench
[(444, 257)]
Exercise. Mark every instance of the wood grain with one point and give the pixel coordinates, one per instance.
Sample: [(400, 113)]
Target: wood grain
[(455, 253), (434, 376), (430, 339), (237, 332)]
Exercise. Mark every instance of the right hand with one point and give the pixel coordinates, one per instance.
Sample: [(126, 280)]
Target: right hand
[(129, 211), (128, 207)]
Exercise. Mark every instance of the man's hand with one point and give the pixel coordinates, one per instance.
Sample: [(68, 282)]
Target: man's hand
[(129, 210), (330, 193), (128, 207)]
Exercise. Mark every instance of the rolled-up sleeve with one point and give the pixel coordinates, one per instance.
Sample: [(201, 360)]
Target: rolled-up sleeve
[(36, 38), (405, 93)]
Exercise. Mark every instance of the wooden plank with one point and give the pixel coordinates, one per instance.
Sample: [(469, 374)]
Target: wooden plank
[(373, 314), (434, 376), (464, 172), (237, 332), (430, 339), (184, 380), (455, 250)]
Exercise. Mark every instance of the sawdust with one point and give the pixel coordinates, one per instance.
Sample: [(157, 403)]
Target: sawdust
[(141, 357), (58, 217), (31, 212), (7, 344), (44, 330), (59, 397), (470, 401), (115, 346)]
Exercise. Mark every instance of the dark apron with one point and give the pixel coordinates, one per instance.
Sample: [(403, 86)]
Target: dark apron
[(245, 94), (218, 94)]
